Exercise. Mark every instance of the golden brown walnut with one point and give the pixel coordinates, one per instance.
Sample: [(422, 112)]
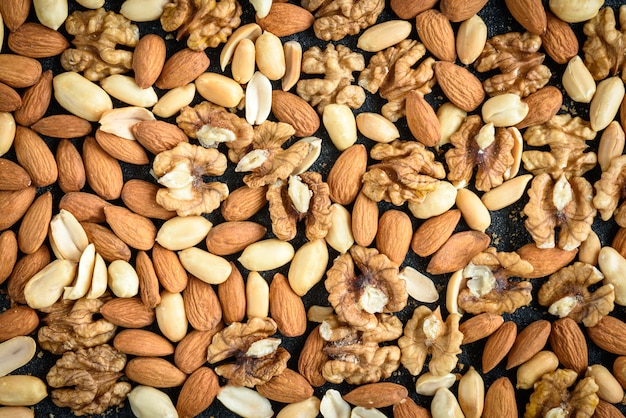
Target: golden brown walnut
[(610, 190), (96, 34), (70, 325), (212, 125), (357, 298), (355, 356), (265, 158), (304, 196), (604, 47), (564, 204), (552, 394), (566, 293), (488, 149), (335, 19), (181, 171), (427, 333), (257, 357), (407, 173), (515, 55), (85, 380), (207, 23), (336, 64), (390, 73), (566, 138), (489, 288)]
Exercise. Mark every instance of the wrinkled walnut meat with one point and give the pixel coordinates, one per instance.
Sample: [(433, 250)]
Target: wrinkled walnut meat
[(86, 380), (258, 358), (605, 45), (407, 173), (207, 23), (70, 325), (551, 395), (427, 333), (335, 19), (304, 196), (336, 64), (355, 356), (96, 34), (488, 286), (265, 158), (516, 56), (566, 137), (610, 190), (488, 149), (567, 294), (563, 204), (181, 171), (357, 298), (212, 125), (390, 73)]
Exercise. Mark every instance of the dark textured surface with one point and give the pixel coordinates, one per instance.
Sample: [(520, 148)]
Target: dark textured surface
[(507, 228)]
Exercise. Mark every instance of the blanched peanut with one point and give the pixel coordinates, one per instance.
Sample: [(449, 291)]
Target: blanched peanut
[(175, 99), (340, 233), (257, 296), (19, 390), (436, 202), (308, 266), (245, 402), (340, 123), (266, 255), (148, 402), (473, 210), (171, 317), (181, 232)]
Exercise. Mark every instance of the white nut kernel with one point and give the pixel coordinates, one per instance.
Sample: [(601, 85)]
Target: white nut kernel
[(606, 102), (142, 10), (444, 404), (308, 266), (122, 279), (16, 352), (308, 408), (171, 317), (270, 56), (125, 89), (261, 7), (339, 235), (531, 371), (340, 123), (245, 402), (18, 390), (243, 61), (67, 237), (589, 249), (207, 267), (507, 193), (16, 412), (51, 13), (450, 119), (7, 132), (474, 212), (436, 202), (611, 144), (257, 296), (83, 275), (80, 96), (428, 383), (258, 99), (609, 388), (119, 121), (319, 314), (578, 81), (376, 127), (504, 110), (181, 232), (219, 89), (471, 39), (471, 394), (333, 405), (383, 35), (99, 279), (315, 149), (362, 412), (91, 4), (293, 64), (574, 11), (266, 255), (148, 402), (46, 286), (174, 100), (419, 286), (613, 265), (250, 31), (457, 282)]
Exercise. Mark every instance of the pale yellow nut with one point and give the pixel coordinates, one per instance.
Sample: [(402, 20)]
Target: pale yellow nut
[(363, 412), (427, 384), (143, 10), (450, 119), (319, 314), (333, 405), (531, 371), (16, 352), (471, 394), (339, 235), (171, 317), (606, 102), (148, 402), (308, 408), (181, 232), (19, 390), (99, 279), (611, 144), (122, 279), (504, 110), (258, 99), (589, 249), (119, 121), (67, 237), (609, 389), (125, 89), (578, 81), (516, 152), (613, 265), (91, 4), (436, 202), (46, 286), (293, 64), (261, 7), (574, 11), (266, 255), (376, 127), (1, 32), (419, 286), (207, 267), (51, 13), (507, 193), (250, 31), (471, 39), (245, 402), (257, 296), (315, 149), (455, 284), (174, 100), (474, 211), (308, 266), (16, 412), (340, 124), (444, 404), (80, 96), (7, 132), (83, 275), (383, 35), (219, 89), (270, 56), (244, 63)]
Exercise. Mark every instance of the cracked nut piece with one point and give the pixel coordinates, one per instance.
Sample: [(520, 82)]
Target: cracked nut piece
[(566, 293), (336, 64), (515, 54), (564, 204), (206, 23), (357, 298), (605, 43), (427, 333), (610, 191), (335, 19), (489, 288), (86, 380), (181, 171), (390, 73), (96, 34)]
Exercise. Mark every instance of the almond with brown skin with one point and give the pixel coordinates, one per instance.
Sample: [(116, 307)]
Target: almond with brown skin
[(619, 370), (545, 261), (344, 179), (606, 410), (230, 237), (542, 105), (529, 13), (287, 387), (435, 31), (529, 342), (107, 244), (14, 204), (157, 136), (376, 395), (182, 68), (104, 173), (480, 326), (287, 308), (35, 40), (169, 270), (291, 109), (243, 203), (500, 400), (460, 10), (155, 372), (18, 71), (457, 251), (35, 100), (13, 176), (434, 232), (140, 342), (140, 197), (459, 85), (35, 157), (619, 241), (559, 40), (10, 99), (498, 345), (407, 408), (422, 119), (364, 220), (24, 269), (16, 321), (569, 344), (135, 230), (15, 12), (8, 254), (84, 206), (408, 9), (312, 358), (191, 351), (128, 313), (72, 177), (232, 296), (121, 148), (202, 306), (148, 281), (286, 19), (394, 235), (610, 335), (34, 227), (148, 59), (198, 392)]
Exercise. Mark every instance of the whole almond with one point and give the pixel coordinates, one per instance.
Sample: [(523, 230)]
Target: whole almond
[(434, 232), (312, 358), (286, 308), (191, 351), (230, 237), (286, 19), (14, 204), (243, 203), (364, 220), (121, 148), (480, 326), (25, 268), (169, 270), (409, 9), (8, 254), (198, 392), (34, 227), (10, 99), (376, 395), (460, 86), (500, 400), (435, 31), (606, 410), (290, 108), (529, 342), (35, 157), (287, 387), (157, 136), (104, 173), (15, 13), (619, 370), (84, 206), (13, 176), (542, 105), (498, 345), (148, 281), (35, 40), (619, 241), (202, 306), (609, 334), (140, 197), (529, 13), (559, 40), (232, 296), (344, 178), (182, 68), (407, 408), (62, 126), (394, 235), (148, 59), (545, 261), (135, 230), (16, 321), (128, 313), (72, 175), (569, 344), (460, 10), (18, 71), (107, 244), (422, 119), (35, 100), (155, 372), (140, 342), (457, 251)]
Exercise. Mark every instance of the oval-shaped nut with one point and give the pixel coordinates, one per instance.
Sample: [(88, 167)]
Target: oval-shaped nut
[(51, 13), (308, 408), (125, 89), (80, 96), (474, 211), (16, 352), (7, 132), (219, 89), (84, 273), (257, 296), (244, 63), (574, 11), (612, 265), (250, 31), (19, 390), (376, 127), (171, 102), (182, 232), (339, 235), (333, 405), (436, 202), (611, 144), (455, 284), (170, 316), (450, 120), (589, 250), (427, 384), (148, 402), (609, 389), (471, 394), (470, 39), (122, 279), (383, 35), (258, 99), (308, 266), (504, 110), (531, 371), (319, 314), (315, 149), (205, 266), (419, 286), (142, 10), (16, 412), (270, 56), (46, 286), (245, 402), (267, 254), (445, 404), (578, 81), (507, 193), (340, 124), (606, 102), (293, 64)]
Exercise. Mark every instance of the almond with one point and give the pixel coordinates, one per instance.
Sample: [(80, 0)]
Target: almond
[(191, 351), (122, 149), (13, 176), (128, 313), (394, 235), (606, 410), (529, 342), (202, 306), (364, 220), (287, 308), (287, 387), (140, 197), (500, 400), (140, 342), (243, 202), (559, 40), (530, 14), (155, 372), (169, 270), (230, 237), (8, 254), (460, 10), (480, 326), (457, 251), (435, 31), (84, 206), (198, 392), (157, 136), (35, 100), (15, 13), (135, 230), (18, 71), (434, 232), (104, 173), (25, 268), (182, 68), (312, 358), (422, 119), (408, 9), (34, 227), (344, 178), (609, 334), (460, 86), (290, 108), (542, 105), (16, 321), (35, 157), (569, 344), (14, 204), (10, 100), (62, 126), (407, 408), (35, 40), (148, 60), (498, 345), (545, 261), (376, 395), (70, 165), (286, 19), (107, 244), (232, 296), (148, 281)]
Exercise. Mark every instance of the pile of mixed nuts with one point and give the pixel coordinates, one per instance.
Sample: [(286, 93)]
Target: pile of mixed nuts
[(345, 208)]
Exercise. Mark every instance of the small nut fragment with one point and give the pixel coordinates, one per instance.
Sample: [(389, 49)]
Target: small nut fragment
[(504, 110)]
